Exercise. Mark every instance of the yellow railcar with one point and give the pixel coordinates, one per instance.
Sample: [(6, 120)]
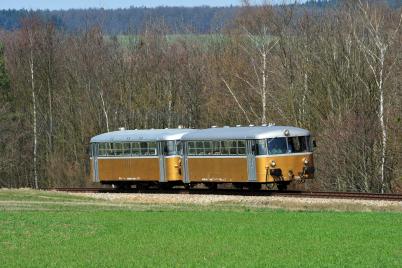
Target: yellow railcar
[(137, 157), (248, 156), (244, 156)]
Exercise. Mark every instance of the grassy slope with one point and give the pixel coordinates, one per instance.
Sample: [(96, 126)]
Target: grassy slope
[(95, 236)]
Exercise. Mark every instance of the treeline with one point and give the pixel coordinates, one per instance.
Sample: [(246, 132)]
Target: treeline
[(337, 72), (127, 21), (134, 20)]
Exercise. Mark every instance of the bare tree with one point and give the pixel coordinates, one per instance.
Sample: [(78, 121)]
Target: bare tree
[(375, 49)]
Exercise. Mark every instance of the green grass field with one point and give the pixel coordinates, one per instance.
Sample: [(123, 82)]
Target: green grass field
[(51, 229)]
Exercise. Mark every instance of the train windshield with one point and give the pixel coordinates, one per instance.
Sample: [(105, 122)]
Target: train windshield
[(298, 144), (277, 146), (289, 145)]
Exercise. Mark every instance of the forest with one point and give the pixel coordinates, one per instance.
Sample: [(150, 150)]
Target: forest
[(335, 70)]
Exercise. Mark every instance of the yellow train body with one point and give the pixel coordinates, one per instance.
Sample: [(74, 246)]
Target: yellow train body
[(216, 169), (136, 169), (257, 155), (292, 167), (173, 169)]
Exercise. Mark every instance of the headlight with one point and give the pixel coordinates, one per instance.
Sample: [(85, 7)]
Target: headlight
[(273, 164), (305, 161)]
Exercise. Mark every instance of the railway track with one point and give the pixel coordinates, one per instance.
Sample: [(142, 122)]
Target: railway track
[(337, 195)]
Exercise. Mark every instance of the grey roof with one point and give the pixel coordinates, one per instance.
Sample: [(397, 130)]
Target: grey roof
[(142, 135), (234, 133)]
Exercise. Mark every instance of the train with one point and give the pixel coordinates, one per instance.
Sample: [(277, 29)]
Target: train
[(244, 156)]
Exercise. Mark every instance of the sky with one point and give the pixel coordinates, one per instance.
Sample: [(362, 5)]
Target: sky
[(66, 4)]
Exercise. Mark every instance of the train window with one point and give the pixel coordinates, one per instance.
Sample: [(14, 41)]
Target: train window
[(241, 147), (208, 148), (117, 149), (152, 148), (102, 149), (297, 144), (277, 146), (225, 147), (126, 149), (309, 144), (216, 147), (135, 148), (144, 148), (199, 147), (170, 148), (233, 148), (191, 148), (179, 147), (261, 147)]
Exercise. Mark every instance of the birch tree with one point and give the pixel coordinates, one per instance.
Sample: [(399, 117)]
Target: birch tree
[(375, 43)]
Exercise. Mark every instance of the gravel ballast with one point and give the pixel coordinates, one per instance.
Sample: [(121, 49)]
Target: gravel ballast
[(230, 201)]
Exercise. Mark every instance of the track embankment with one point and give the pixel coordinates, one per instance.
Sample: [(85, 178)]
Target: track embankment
[(237, 192)]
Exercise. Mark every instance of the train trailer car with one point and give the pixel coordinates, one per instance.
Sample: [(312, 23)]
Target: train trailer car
[(138, 157), (248, 156)]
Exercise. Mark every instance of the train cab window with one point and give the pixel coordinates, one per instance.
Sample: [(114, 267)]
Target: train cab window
[(297, 144), (261, 147), (309, 144), (277, 146)]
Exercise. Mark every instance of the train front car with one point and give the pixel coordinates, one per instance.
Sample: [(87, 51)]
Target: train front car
[(248, 156), (137, 157), (283, 154)]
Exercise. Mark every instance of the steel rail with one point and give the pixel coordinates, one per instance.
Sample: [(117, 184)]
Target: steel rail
[(307, 194)]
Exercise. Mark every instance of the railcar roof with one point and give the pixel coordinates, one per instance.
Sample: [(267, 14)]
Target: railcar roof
[(142, 135), (234, 133)]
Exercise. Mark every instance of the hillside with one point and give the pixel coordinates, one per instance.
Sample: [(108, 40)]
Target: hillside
[(132, 20)]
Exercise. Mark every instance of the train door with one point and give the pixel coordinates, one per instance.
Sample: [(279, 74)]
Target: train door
[(161, 155), (251, 168), (95, 153)]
